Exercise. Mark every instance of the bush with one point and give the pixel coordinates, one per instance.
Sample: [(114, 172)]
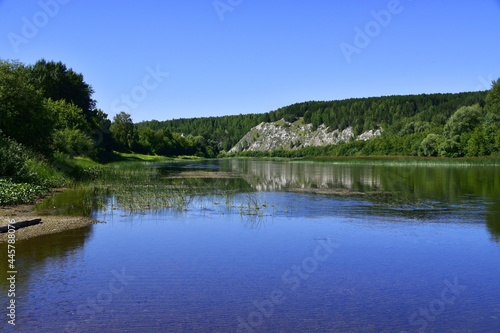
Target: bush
[(39, 172), (73, 142), (12, 157)]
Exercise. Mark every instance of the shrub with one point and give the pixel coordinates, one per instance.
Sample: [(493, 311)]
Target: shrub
[(73, 142), (12, 157)]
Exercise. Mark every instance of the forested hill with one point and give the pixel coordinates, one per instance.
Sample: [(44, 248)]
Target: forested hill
[(411, 113)]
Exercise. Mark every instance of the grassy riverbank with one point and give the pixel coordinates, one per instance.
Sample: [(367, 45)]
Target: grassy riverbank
[(37, 177), (32, 176)]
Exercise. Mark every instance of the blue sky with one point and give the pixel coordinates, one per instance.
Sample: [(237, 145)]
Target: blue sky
[(214, 58)]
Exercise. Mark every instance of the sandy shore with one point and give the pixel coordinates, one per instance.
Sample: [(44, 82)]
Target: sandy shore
[(49, 225)]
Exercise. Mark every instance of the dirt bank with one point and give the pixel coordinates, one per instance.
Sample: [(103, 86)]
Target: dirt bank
[(49, 225)]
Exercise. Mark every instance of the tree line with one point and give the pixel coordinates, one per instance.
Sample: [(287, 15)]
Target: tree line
[(414, 125)]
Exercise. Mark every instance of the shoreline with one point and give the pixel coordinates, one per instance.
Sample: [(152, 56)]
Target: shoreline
[(51, 224)]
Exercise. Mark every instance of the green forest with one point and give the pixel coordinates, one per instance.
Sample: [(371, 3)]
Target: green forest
[(446, 125), (48, 117)]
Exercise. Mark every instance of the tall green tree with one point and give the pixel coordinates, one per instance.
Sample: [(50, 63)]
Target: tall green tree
[(22, 116), (66, 115), (123, 130), (71, 130), (463, 120), (58, 82), (492, 101)]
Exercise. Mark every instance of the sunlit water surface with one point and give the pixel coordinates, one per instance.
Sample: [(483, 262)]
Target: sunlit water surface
[(330, 248)]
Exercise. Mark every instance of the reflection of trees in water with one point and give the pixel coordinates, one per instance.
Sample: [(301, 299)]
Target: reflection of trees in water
[(388, 184), (276, 176), (80, 201), (493, 220), (36, 253), (445, 184)]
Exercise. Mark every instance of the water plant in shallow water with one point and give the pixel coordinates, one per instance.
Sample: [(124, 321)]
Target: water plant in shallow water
[(14, 193)]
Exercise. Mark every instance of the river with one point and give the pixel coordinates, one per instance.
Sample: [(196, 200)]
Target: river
[(275, 246)]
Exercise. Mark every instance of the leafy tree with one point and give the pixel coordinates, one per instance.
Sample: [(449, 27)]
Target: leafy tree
[(449, 148), (65, 115), (492, 100), (476, 145), (289, 117), (100, 132), (58, 82), (21, 112), (429, 146), (123, 130), (463, 120)]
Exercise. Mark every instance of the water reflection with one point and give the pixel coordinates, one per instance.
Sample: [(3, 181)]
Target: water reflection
[(204, 268), (409, 191), (81, 201), (445, 184), (56, 250), (493, 220)]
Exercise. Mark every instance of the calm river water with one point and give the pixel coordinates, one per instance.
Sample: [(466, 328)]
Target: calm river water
[(295, 247)]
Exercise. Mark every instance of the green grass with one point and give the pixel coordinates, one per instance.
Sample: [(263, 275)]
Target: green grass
[(86, 162), (142, 157), (190, 157), (41, 173)]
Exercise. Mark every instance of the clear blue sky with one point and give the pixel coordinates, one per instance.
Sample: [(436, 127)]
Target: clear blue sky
[(256, 56)]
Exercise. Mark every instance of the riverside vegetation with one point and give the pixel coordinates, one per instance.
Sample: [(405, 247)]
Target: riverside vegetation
[(67, 139)]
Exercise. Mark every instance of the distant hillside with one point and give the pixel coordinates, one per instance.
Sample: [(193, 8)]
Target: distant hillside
[(397, 115)]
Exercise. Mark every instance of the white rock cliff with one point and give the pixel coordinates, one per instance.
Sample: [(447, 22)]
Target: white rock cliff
[(285, 135)]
